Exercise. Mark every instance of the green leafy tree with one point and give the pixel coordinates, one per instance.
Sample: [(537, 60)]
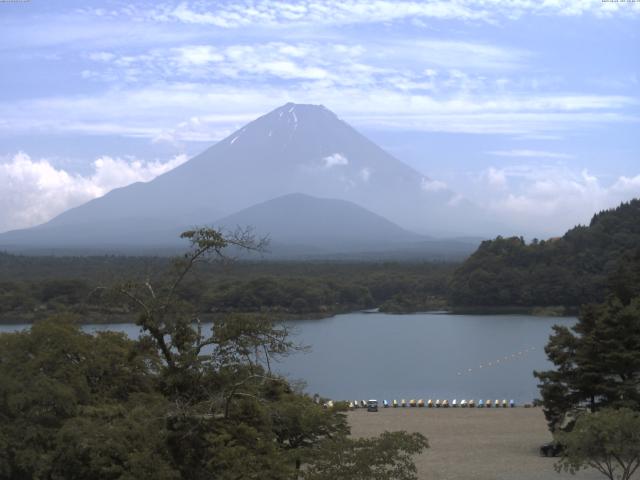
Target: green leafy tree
[(178, 403), (389, 456), (597, 361), (608, 441)]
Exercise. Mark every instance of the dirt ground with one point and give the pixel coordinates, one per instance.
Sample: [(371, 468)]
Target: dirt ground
[(472, 443)]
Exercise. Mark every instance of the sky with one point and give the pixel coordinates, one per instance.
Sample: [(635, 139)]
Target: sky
[(530, 109)]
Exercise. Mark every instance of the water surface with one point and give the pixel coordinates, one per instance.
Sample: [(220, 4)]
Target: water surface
[(425, 355)]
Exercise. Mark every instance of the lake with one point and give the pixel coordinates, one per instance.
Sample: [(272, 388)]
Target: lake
[(423, 355)]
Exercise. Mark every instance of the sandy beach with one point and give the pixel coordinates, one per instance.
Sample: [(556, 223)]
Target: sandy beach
[(472, 443)]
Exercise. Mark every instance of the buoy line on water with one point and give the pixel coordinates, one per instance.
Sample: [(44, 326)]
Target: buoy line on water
[(497, 362)]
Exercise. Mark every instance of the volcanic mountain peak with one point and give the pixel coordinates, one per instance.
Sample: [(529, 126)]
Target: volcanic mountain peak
[(294, 148)]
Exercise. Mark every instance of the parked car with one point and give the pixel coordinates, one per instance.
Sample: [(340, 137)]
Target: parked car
[(551, 449)]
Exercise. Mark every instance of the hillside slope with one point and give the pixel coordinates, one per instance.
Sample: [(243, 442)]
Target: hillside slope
[(580, 267)]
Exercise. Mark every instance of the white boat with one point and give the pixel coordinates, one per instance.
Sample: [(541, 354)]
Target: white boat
[(385, 404), (454, 404), (430, 403), (472, 403), (463, 404), (403, 403), (438, 403), (512, 403), (421, 403), (480, 403)]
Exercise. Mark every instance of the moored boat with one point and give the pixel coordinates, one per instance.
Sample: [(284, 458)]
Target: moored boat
[(421, 403), (395, 403)]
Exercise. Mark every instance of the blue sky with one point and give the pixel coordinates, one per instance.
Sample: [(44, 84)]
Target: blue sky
[(529, 108)]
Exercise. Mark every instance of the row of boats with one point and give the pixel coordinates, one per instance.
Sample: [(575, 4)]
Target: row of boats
[(437, 404)]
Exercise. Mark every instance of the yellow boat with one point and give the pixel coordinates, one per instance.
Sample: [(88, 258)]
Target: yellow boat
[(412, 403), (395, 404)]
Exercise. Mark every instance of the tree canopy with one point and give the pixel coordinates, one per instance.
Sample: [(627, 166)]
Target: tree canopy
[(597, 361), (580, 267), (608, 441), (177, 403)]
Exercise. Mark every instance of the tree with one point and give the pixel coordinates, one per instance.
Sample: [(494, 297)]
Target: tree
[(608, 441), (597, 361), (177, 403), (389, 456)]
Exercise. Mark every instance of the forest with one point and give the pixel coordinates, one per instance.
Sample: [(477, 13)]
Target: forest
[(581, 267), (32, 288)]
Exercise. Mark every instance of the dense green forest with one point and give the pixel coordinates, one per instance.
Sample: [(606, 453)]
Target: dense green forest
[(578, 268), (32, 288)]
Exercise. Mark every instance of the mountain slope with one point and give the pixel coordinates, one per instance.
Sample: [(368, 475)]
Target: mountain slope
[(295, 148), (327, 224), (579, 267)]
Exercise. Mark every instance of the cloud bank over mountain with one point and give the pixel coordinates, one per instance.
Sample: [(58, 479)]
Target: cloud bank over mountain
[(34, 191)]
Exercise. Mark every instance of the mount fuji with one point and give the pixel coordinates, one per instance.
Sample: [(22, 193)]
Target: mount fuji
[(295, 149)]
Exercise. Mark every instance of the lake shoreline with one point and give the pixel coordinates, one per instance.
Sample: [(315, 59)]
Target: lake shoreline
[(102, 318)]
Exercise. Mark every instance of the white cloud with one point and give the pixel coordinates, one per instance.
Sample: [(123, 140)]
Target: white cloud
[(277, 13), (429, 185), (34, 191), (496, 178), (549, 199), (156, 109), (530, 153), (337, 159), (365, 174)]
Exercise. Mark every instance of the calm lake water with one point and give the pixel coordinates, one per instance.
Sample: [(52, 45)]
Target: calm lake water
[(425, 355)]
